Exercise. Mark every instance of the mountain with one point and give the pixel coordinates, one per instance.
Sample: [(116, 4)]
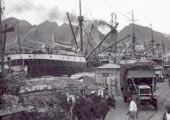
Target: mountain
[(35, 36), (143, 35), (21, 28), (42, 33)]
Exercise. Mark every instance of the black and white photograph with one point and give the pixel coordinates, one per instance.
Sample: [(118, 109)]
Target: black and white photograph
[(84, 60)]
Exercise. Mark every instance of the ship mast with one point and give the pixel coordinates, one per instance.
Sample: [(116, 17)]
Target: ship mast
[(133, 35), (81, 19), (114, 35), (1, 40), (3, 34), (163, 46), (152, 42)]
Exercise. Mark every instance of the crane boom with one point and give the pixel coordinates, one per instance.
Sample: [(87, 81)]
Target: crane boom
[(102, 40), (113, 44)]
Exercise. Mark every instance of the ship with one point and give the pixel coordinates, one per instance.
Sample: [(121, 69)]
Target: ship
[(57, 63), (63, 63), (39, 64)]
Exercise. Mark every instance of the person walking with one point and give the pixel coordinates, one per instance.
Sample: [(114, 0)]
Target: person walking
[(132, 110), (166, 115)]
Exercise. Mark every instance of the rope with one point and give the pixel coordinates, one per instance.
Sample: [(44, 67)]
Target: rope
[(88, 40), (89, 9), (19, 43), (75, 6), (111, 6), (85, 9)]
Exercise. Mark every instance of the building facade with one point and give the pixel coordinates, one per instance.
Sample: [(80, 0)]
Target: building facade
[(108, 75)]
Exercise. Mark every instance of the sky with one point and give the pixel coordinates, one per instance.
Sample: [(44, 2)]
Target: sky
[(146, 12)]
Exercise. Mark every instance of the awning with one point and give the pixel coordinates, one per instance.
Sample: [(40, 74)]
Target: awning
[(141, 74)]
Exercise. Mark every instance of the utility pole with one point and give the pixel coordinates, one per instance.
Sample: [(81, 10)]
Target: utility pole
[(81, 19), (152, 42), (114, 35)]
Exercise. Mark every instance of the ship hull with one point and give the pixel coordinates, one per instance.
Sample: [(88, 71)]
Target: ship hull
[(48, 64)]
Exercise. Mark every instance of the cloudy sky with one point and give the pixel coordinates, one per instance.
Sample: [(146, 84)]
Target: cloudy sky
[(155, 12)]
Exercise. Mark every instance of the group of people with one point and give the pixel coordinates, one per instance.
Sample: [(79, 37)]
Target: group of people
[(90, 106)]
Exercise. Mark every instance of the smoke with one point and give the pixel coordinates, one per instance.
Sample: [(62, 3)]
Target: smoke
[(21, 6), (55, 14), (36, 11), (103, 26)]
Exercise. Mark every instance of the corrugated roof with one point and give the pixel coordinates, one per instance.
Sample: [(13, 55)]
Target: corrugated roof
[(109, 66), (141, 74)]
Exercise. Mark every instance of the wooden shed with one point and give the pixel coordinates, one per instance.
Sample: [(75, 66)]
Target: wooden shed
[(108, 75)]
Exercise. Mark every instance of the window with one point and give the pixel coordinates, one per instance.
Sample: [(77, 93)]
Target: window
[(145, 91)]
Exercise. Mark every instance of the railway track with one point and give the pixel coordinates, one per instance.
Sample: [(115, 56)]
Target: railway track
[(156, 115)]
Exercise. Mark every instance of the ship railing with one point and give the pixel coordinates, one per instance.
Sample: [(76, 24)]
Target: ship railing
[(75, 54)]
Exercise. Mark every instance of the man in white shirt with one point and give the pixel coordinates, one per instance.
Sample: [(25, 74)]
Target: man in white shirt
[(166, 115), (132, 110)]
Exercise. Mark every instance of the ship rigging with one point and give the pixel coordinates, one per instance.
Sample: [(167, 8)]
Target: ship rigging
[(39, 64)]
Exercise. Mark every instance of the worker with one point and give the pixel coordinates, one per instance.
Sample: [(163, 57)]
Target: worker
[(132, 109), (101, 93), (166, 115), (113, 101)]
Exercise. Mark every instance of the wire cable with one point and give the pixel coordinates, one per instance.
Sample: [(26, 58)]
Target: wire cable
[(111, 6), (89, 10), (85, 10)]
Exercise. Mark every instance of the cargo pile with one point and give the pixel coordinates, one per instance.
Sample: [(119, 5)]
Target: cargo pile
[(47, 96)]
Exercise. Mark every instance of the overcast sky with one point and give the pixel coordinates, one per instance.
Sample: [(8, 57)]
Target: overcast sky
[(155, 12)]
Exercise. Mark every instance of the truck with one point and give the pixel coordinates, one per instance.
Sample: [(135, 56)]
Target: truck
[(138, 80)]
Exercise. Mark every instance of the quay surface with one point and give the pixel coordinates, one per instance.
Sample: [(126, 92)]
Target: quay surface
[(146, 112)]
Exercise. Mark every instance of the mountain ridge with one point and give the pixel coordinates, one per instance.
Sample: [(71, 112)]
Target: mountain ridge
[(43, 32)]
